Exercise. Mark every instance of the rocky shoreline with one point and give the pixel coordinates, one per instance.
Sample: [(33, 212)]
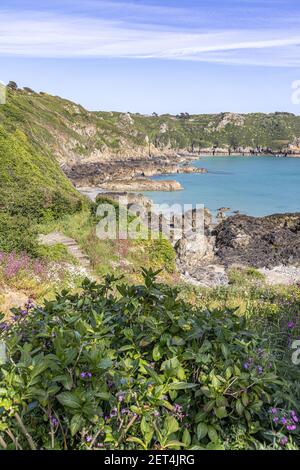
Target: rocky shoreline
[(132, 175), (206, 253)]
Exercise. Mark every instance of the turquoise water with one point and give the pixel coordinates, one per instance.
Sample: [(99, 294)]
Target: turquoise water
[(253, 185)]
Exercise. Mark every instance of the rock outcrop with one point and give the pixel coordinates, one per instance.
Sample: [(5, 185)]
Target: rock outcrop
[(142, 184), (259, 242)]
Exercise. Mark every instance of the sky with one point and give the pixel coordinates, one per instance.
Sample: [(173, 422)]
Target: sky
[(164, 56)]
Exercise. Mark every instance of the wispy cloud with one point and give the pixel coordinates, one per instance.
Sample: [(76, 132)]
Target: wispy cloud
[(60, 34)]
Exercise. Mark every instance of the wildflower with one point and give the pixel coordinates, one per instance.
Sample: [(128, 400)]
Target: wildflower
[(275, 419), (177, 408), (284, 441), (246, 365), (260, 370), (283, 421), (121, 397), (86, 375), (53, 421), (291, 325), (295, 418), (291, 427), (88, 438), (273, 411), (113, 413)]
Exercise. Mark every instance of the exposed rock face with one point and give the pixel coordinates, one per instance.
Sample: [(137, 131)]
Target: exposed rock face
[(259, 242), (96, 173), (271, 244), (142, 184)]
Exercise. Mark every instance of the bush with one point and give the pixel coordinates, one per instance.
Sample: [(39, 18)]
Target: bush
[(136, 369), (16, 234)]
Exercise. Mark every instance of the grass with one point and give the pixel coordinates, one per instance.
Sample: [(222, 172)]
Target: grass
[(119, 257)]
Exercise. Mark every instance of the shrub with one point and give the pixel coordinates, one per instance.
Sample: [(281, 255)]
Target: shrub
[(16, 233), (133, 367)]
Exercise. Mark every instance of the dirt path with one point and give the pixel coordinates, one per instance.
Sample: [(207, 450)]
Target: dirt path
[(56, 238)]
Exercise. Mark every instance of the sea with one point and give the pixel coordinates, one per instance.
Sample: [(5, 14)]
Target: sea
[(255, 186)]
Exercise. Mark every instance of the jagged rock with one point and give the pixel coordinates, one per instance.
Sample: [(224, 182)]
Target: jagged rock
[(259, 242), (142, 184), (12, 85)]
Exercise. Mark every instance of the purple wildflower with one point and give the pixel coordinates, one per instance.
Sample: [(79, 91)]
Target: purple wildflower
[(291, 325), (177, 408), (121, 397), (284, 441), (113, 413), (283, 421), (54, 421), (291, 427)]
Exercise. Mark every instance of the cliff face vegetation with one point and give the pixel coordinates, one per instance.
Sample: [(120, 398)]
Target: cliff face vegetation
[(74, 135)]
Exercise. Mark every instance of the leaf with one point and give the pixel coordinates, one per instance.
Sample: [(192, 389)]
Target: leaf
[(182, 386), (137, 441), (68, 399), (245, 399), (77, 423), (212, 434), (215, 446), (156, 353), (202, 431), (186, 438), (171, 425), (174, 444), (105, 364), (239, 407), (221, 412), (224, 350)]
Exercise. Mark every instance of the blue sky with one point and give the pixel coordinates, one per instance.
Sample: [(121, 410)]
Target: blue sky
[(165, 55)]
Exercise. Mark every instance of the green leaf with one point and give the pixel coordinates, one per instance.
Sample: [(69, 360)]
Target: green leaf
[(77, 423), (239, 407), (156, 353), (186, 438), (171, 425), (105, 364), (182, 386), (245, 399), (202, 430), (69, 399), (212, 434), (221, 412), (215, 446), (137, 441)]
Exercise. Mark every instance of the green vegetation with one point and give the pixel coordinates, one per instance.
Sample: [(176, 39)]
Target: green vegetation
[(32, 188), (134, 367), (58, 127), (134, 360), (119, 257)]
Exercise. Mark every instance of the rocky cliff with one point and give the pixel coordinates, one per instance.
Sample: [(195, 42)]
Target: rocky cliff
[(76, 136)]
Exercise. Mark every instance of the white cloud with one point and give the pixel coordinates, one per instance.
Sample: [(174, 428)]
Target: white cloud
[(37, 34)]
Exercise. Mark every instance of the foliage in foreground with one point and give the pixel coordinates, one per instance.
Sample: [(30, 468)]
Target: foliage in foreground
[(133, 367)]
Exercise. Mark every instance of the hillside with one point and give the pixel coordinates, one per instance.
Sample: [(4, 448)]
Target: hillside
[(74, 135)]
